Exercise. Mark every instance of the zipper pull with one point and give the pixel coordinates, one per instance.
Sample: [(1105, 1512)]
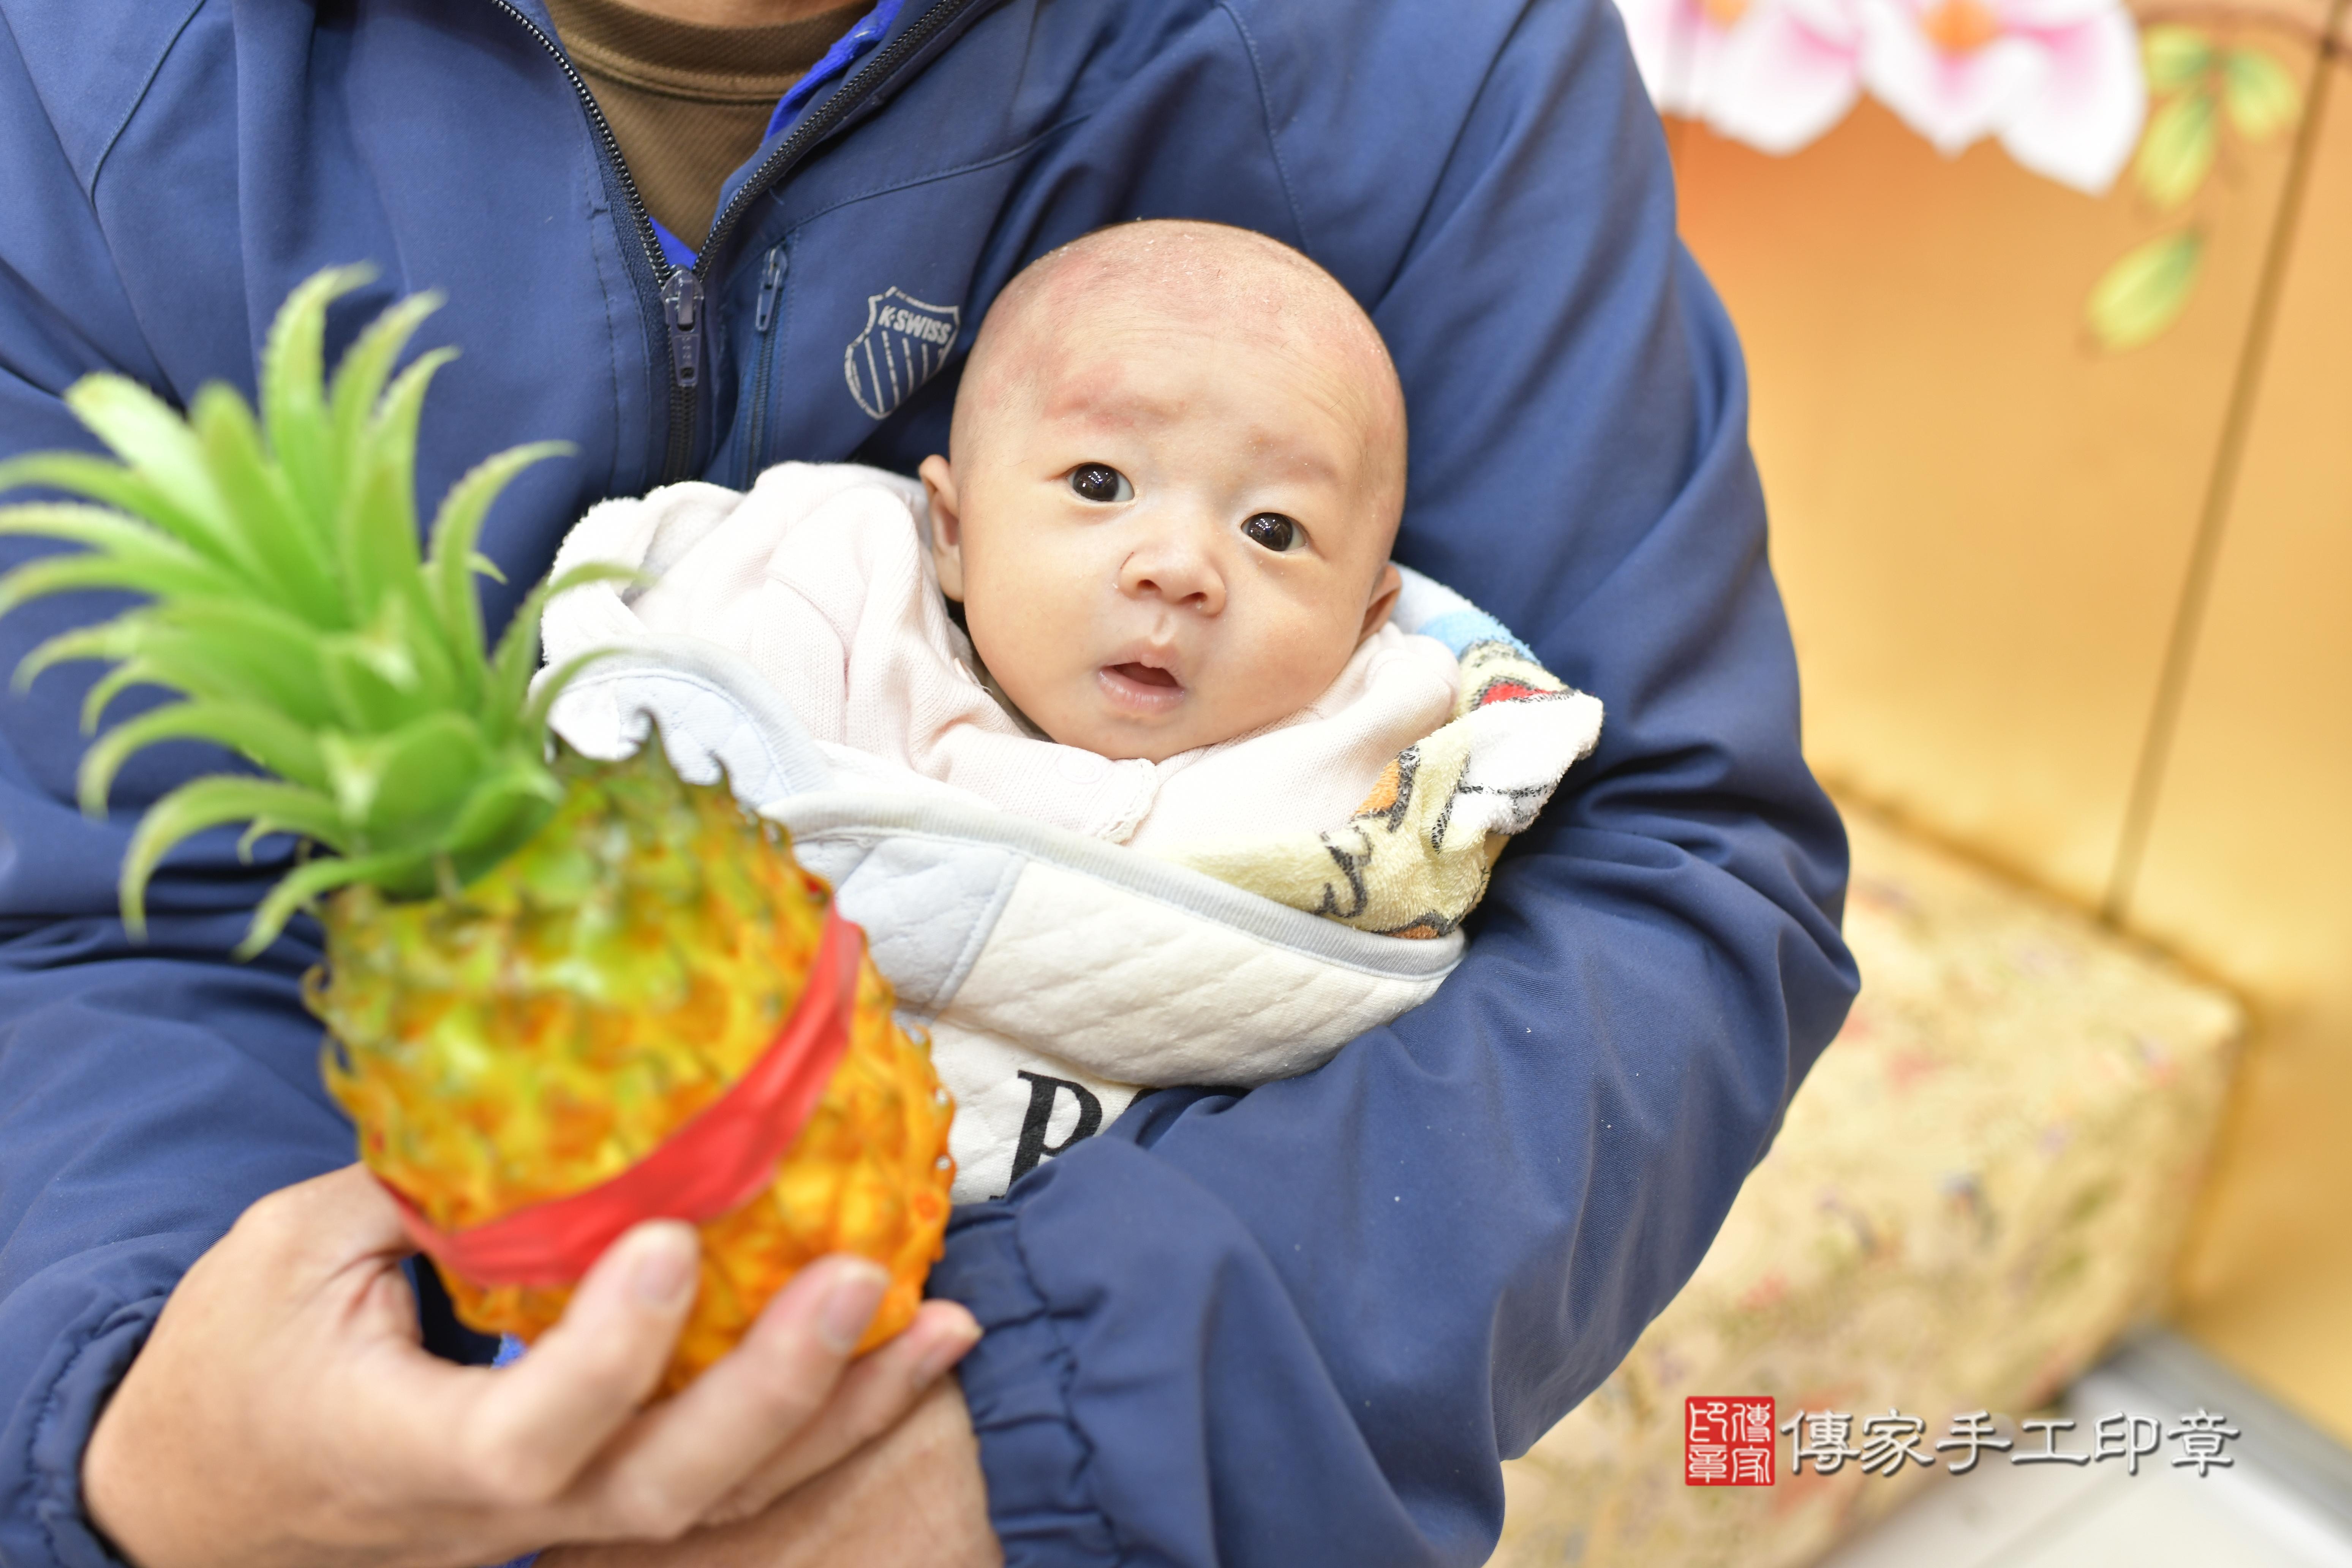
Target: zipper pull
[(682, 307), (772, 283)]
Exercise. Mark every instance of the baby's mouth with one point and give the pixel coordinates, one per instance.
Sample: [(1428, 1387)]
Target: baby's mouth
[(1140, 687)]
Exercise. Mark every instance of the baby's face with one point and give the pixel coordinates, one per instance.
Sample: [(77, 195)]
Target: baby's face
[(1166, 535)]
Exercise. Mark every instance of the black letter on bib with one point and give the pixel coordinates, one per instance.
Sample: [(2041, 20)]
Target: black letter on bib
[(1042, 1091)]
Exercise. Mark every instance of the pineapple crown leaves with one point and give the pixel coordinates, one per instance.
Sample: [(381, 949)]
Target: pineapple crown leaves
[(288, 607)]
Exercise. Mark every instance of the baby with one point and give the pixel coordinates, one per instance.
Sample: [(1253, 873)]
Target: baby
[(1174, 474), (1176, 468)]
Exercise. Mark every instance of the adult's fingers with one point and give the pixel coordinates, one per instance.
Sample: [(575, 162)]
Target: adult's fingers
[(872, 1397), (683, 1456), (532, 1428)]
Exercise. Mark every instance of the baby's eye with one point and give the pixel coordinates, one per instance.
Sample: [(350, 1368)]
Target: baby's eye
[(1276, 531), (1100, 482)]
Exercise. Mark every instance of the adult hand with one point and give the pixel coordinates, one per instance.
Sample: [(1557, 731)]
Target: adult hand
[(912, 1499), (284, 1412)]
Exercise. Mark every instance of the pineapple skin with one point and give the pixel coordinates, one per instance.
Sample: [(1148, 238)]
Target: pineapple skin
[(549, 1025)]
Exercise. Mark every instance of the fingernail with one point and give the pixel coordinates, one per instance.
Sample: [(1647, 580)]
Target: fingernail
[(851, 1303), (949, 1350), (665, 1270)]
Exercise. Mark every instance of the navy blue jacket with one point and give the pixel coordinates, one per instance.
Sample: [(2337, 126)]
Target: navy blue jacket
[(1295, 1327)]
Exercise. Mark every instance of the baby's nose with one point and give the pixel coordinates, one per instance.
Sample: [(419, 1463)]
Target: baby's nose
[(1175, 569)]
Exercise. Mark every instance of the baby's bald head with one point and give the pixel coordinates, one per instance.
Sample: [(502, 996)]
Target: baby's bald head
[(1172, 481), (1205, 282)]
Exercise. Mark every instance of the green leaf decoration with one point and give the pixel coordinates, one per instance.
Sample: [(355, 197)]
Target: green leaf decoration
[(459, 523), (258, 492), (2178, 151), (517, 659), (296, 614), (268, 805), (122, 554), (2260, 95), (305, 883), (2144, 293), (259, 734), (2174, 56)]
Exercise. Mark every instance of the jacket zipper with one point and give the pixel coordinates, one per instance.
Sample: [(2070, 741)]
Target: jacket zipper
[(681, 398), (771, 282), (682, 309), (682, 287), (763, 316), (819, 124)]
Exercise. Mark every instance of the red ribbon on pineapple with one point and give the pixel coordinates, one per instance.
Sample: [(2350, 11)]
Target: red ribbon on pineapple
[(716, 1161)]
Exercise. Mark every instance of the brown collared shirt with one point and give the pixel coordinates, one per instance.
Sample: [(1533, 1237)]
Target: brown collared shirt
[(687, 103)]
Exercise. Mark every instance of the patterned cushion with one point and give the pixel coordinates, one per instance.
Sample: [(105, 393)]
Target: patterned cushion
[(1981, 1185)]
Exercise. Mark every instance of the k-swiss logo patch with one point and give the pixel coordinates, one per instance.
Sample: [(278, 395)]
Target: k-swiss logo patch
[(904, 342)]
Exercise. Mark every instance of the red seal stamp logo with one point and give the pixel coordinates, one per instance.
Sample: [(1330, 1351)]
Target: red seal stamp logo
[(1727, 1441)]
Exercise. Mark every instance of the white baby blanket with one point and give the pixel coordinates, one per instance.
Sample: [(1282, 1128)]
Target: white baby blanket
[(1059, 973)]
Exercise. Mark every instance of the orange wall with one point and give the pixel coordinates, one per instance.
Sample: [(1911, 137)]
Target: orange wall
[(2249, 862), (1984, 525), (1981, 524)]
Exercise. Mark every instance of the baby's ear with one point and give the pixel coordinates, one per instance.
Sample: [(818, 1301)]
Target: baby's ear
[(1384, 597), (947, 525)]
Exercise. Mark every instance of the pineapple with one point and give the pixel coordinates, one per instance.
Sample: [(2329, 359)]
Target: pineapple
[(539, 968)]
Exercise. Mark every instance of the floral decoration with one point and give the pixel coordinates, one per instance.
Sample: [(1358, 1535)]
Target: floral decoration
[(1775, 74), (2059, 82), (2063, 85)]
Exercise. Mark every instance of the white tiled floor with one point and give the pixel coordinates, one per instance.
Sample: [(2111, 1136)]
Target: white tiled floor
[(2057, 1516)]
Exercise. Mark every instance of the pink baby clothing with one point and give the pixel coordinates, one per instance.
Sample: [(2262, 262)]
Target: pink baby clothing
[(820, 578)]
